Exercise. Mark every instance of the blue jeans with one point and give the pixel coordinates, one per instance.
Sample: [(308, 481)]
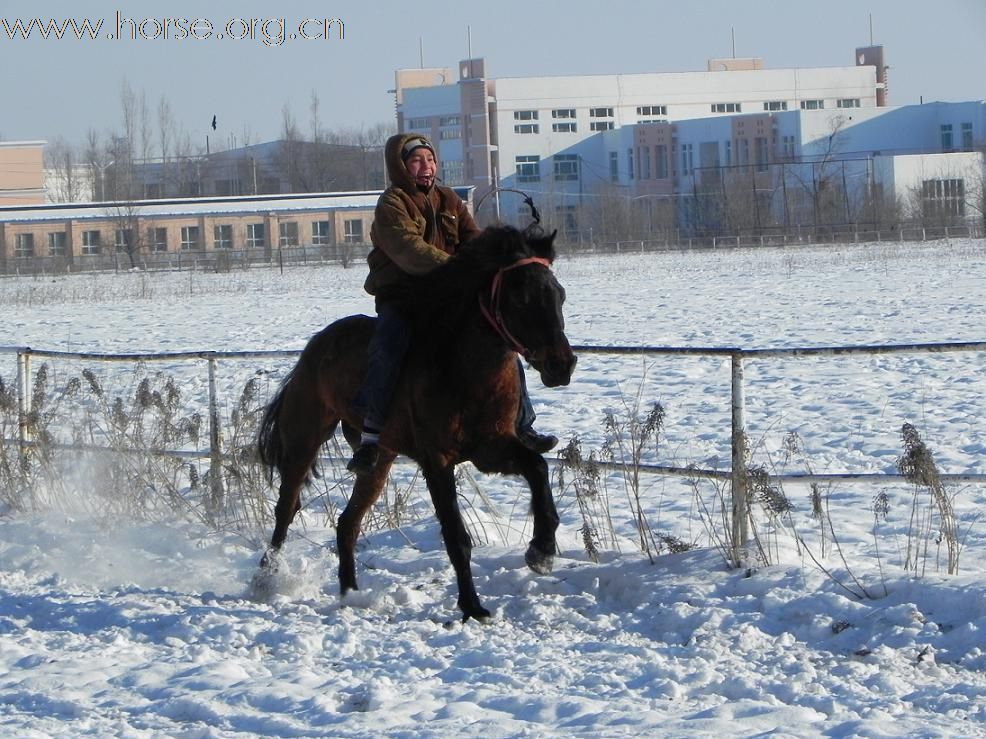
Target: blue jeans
[(385, 358)]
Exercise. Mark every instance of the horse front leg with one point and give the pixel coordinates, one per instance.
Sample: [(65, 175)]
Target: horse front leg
[(508, 456), (366, 490), (543, 547), (458, 543)]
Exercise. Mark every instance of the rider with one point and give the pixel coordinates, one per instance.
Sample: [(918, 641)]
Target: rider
[(417, 225)]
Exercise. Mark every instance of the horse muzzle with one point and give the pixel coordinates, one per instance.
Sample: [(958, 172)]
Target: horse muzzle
[(555, 366)]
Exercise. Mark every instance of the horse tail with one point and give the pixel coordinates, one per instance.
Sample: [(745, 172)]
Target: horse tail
[(270, 445)]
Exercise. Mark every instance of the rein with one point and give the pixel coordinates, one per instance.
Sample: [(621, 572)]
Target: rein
[(493, 314)]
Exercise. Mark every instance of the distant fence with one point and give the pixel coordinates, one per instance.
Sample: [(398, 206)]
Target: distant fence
[(736, 475), (789, 237), (580, 242), (208, 260)]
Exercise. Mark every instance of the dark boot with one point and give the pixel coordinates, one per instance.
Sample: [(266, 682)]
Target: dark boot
[(364, 459), (536, 442)]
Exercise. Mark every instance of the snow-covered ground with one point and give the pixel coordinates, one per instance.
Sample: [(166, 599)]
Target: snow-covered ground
[(140, 629)]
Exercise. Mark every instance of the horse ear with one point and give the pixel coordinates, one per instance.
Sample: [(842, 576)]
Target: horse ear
[(543, 245)]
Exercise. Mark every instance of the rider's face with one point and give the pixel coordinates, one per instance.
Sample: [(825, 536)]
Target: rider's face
[(421, 166)]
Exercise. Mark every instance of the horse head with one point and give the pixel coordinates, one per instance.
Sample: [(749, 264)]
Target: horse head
[(525, 307)]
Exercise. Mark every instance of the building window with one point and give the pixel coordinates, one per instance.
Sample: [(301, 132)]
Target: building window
[(614, 167), (527, 168), (566, 216), (761, 153), (452, 172), (450, 120), (320, 233), (600, 125), (600, 112), (774, 105), (687, 159), (946, 137), (24, 245), (353, 231), (124, 239), (566, 167), (222, 236), (728, 159), (450, 133), (189, 238), (90, 242), (563, 127), (630, 164), (525, 115), (943, 197), (287, 232), (661, 161), (847, 103), (812, 104), (563, 113), (158, 238), (660, 110), (419, 123), (57, 244), (526, 128), (255, 235), (788, 144), (643, 162), (727, 108), (967, 136)]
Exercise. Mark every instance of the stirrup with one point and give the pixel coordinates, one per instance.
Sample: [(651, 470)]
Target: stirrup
[(364, 459), (536, 442)]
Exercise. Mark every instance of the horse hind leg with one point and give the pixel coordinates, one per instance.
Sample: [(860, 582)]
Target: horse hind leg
[(366, 490), (299, 458)]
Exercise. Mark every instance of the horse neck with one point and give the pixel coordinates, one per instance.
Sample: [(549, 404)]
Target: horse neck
[(466, 338)]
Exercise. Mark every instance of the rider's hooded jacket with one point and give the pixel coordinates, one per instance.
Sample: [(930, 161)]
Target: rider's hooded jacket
[(413, 231)]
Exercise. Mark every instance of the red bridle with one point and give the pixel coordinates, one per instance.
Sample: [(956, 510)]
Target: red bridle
[(493, 314)]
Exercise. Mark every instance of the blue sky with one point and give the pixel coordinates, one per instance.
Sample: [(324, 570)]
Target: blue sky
[(62, 88)]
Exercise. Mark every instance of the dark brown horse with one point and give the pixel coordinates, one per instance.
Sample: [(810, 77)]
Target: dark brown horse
[(456, 401)]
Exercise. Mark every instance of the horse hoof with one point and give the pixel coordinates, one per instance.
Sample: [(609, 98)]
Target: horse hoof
[(541, 562), (479, 613), (269, 563)]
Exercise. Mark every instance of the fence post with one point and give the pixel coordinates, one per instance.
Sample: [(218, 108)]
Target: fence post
[(740, 523), (215, 443), (23, 401)]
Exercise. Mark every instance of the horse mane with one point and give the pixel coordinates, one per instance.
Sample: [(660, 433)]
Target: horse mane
[(474, 264), (442, 299)]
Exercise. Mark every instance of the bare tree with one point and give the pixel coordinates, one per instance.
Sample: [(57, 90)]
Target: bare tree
[(128, 238), (66, 183), (368, 161), (821, 180)]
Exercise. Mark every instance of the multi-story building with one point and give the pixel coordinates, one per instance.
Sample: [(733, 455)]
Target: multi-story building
[(556, 134), (736, 146)]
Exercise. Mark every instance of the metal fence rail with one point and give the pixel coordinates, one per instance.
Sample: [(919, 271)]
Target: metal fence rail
[(736, 474)]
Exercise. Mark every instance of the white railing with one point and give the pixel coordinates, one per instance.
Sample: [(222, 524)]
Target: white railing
[(736, 474)]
